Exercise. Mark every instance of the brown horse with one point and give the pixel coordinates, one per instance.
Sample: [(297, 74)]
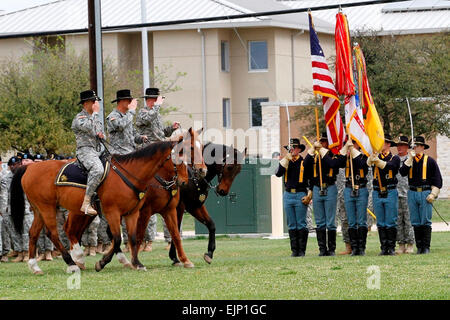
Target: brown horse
[(117, 200), (164, 198), (222, 161)]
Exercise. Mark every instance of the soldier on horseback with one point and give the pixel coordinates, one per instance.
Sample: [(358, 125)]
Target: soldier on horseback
[(87, 128)]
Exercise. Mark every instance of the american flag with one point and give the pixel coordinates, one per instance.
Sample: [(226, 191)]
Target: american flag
[(324, 86)]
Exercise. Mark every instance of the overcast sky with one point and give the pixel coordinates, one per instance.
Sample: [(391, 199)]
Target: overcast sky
[(14, 5)]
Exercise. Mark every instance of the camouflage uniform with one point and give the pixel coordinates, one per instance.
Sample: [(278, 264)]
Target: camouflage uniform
[(123, 138), (370, 220), (86, 127), (89, 237), (61, 218), (103, 237), (150, 124), (44, 243), (7, 230), (341, 213), (122, 134), (405, 231), (21, 241)]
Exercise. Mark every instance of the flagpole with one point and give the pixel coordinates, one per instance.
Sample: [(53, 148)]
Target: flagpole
[(316, 110)]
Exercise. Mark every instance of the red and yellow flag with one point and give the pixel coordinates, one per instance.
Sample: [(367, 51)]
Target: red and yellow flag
[(372, 122)]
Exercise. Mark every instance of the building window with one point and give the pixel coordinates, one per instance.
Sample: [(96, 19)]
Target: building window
[(225, 56), (226, 113), (255, 111), (257, 56)]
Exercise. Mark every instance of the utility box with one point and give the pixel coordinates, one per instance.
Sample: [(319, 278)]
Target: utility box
[(247, 207)]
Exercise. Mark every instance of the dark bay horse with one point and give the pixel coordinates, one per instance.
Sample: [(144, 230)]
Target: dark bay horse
[(222, 161), (117, 198), (164, 196)]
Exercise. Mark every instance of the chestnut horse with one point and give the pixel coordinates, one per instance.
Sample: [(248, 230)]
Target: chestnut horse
[(117, 199), (222, 161)]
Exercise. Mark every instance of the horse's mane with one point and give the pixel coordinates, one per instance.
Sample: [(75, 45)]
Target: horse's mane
[(146, 152)]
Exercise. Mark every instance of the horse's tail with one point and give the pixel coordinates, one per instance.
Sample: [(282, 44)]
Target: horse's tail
[(17, 200)]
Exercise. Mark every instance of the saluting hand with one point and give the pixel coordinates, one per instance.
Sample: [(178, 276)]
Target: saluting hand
[(159, 100), (132, 105), (96, 107), (101, 135)]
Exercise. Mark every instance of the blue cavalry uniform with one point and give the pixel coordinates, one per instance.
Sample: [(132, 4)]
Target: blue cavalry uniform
[(296, 183), (425, 182), (325, 195), (385, 197), (356, 197)]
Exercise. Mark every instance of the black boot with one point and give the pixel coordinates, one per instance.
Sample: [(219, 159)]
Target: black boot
[(426, 239), (362, 238), (418, 234), (391, 240), (294, 242), (331, 242), (353, 235), (302, 236), (383, 240), (322, 241)]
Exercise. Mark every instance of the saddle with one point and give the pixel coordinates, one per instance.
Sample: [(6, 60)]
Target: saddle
[(74, 174)]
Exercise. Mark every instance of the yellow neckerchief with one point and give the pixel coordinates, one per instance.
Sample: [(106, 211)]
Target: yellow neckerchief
[(424, 166), (383, 155)]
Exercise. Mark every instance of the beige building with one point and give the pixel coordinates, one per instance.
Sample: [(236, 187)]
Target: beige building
[(231, 66)]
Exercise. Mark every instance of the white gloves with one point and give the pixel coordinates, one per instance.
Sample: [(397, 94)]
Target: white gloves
[(434, 194), (379, 163), (311, 151), (344, 149), (411, 155), (354, 153), (285, 161)]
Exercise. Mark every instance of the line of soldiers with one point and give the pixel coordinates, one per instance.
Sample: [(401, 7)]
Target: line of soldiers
[(410, 180), (124, 138)]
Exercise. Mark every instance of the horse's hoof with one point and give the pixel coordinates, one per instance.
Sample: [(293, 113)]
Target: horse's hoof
[(177, 264), (207, 258), (98, 267), (81, 265), (38, 272), (141, 268), (72, 269), (188, 265)]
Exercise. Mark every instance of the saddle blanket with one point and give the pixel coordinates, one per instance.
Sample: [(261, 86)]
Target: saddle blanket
[(73, 175)]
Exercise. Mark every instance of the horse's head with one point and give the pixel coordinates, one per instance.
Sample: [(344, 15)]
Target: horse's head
[(230, 169), (225, 163), (196, 155)]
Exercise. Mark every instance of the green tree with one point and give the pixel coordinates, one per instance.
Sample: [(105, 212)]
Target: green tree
[(399, 67), (39, 95)]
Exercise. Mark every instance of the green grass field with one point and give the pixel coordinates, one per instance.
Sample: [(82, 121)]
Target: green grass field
[(443, 207), (244, 269)]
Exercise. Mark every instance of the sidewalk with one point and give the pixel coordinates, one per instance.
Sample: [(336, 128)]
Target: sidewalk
[(436, 227)]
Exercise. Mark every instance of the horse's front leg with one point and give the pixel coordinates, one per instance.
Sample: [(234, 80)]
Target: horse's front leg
[(201, 214), (170, 218), (131, 223)]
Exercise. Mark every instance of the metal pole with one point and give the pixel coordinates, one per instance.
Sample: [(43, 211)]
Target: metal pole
[(144, 38), (95, 51), (99, 57)]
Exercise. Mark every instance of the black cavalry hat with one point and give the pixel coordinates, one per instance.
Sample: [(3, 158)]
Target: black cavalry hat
[(122, 95), (324, 136), (13, 160), (151, 93), (388, 138), (39, 156), (88, 95), (421, 141), (295, 142), (403, 140)]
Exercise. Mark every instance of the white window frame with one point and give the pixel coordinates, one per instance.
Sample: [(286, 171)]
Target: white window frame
[(226, 55), (227, 114), (251, 112), (250, 57)]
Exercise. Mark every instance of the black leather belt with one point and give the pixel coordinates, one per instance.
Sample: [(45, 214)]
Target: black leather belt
[(295, 190), (324, 185), (360, 185), (419, 188), (389, 187)]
